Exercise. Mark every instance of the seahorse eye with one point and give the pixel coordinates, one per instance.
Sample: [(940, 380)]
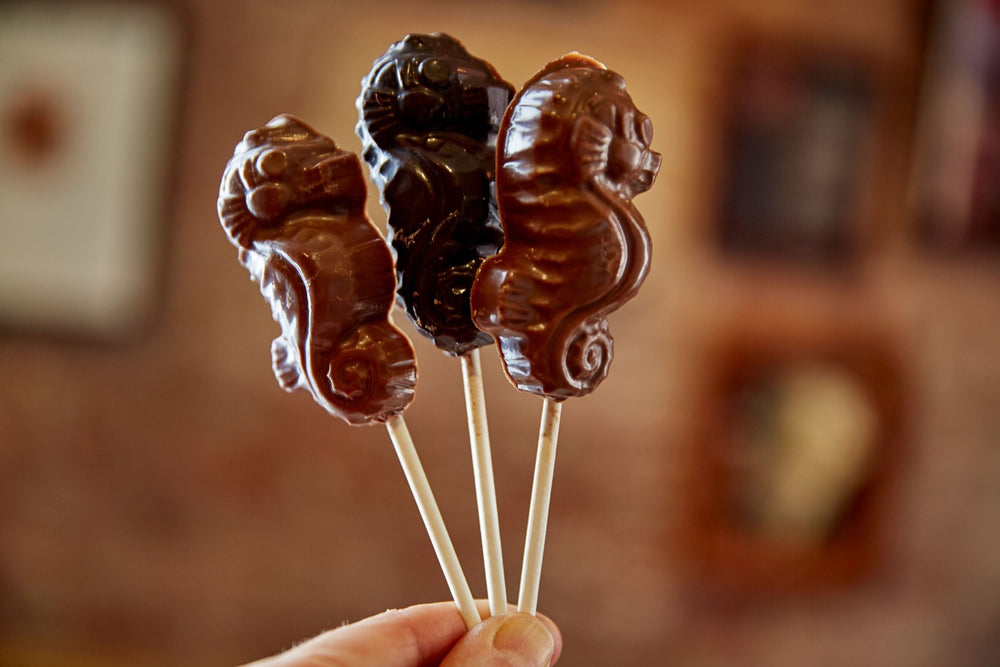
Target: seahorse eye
[(623, 159), (268, 201), (272, 163), (435, 71)]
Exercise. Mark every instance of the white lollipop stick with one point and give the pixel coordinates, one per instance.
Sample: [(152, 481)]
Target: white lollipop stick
[(538, 513), (431, 515), (482, 468)]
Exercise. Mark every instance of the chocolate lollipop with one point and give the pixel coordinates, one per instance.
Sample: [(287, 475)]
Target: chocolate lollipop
[(573, 151), (429, 113), (293, 203)]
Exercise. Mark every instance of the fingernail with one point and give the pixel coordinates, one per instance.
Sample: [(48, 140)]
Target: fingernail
[(525, 640)]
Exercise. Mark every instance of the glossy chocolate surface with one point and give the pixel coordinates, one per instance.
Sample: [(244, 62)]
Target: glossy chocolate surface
[(429, 114), (574, 150), (293, 203)]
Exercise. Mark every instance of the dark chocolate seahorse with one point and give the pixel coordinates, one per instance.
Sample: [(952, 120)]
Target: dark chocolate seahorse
[(429, 113), (574, 150), (293, 203)]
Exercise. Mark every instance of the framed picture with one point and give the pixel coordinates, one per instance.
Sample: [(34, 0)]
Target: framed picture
[(798, 134), (792, 458), (957, 180), (88, 101)]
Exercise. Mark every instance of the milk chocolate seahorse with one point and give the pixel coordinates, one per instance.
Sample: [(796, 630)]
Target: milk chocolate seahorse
[(573, 151), (293, 203)]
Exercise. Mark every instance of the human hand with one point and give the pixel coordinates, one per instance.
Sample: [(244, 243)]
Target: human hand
[(429, 634)]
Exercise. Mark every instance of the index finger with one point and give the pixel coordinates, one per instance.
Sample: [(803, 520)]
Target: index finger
[(418, 635)]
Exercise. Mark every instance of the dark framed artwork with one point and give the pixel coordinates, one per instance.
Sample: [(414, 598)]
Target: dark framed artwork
[(957, 179), (795, 151), (793, 457), (88, 102)]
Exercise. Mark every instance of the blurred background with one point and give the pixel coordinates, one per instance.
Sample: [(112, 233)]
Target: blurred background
[(795, 459)]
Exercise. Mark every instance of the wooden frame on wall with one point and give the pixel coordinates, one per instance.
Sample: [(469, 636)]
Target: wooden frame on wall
[(793, 455), (799, 150), (956, 185)]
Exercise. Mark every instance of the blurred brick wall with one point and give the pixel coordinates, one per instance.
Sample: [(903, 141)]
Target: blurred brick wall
[(163, 502)]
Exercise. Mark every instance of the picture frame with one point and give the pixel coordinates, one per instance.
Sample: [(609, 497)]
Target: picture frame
[(89, 94), (794, 452), (797, 147), (955, 190)]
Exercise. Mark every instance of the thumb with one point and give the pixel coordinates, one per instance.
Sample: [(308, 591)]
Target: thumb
[(510, 640)]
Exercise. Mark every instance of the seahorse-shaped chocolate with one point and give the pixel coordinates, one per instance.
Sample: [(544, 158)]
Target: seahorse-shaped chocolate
[(429, 113), (572, 152), (293, 203)]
